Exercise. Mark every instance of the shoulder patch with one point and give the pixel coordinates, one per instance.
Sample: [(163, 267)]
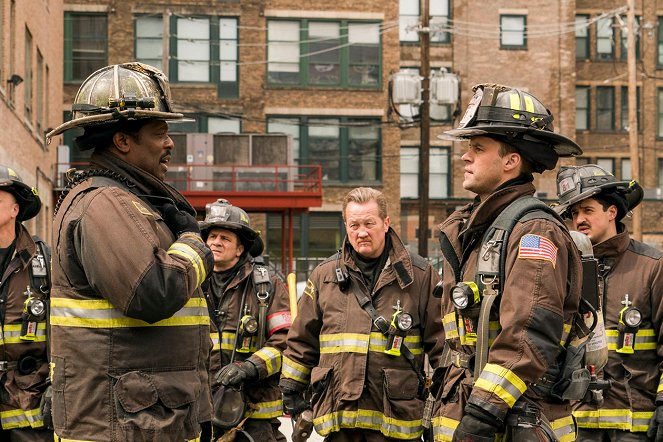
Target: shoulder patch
[(310, 289), (537, 247), (141, 208)]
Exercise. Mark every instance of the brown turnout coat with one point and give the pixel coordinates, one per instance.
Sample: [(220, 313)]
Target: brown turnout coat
[(528, 322)]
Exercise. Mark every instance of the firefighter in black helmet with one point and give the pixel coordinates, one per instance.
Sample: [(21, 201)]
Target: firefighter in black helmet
[(250, 311), (511, 291), (24, 262)]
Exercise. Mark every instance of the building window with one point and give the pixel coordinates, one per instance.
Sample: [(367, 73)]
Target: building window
[(439, 21), (228, 58), (217, 125), (659, 114), (582, 37), (315, 53), (40, 107), (624, 108), (660, 174), (605, 108), (349, 150), (192, 49), (659, 42), (626, 169), (624, 40), (85, 44), (607, 164), (438, 180), (149, 40), (604, 39), (27, 91), (582, 107), (512, 31), (408, 20)]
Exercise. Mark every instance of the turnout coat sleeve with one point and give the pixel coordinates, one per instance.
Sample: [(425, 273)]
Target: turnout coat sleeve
[(657, 314), (534, 312), (119, 235)]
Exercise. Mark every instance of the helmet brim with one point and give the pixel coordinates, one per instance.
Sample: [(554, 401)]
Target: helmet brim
[(247, 236), (563, 146), (99, 119)]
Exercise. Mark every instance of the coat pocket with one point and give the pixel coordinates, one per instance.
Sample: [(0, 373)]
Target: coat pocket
[(322, 396), (401, 405), (153, 404), (59, 409)]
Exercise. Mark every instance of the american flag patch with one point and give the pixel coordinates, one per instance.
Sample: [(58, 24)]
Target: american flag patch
[(537, 247)]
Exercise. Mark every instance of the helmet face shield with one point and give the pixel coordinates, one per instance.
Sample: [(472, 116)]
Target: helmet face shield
[(124, 91)]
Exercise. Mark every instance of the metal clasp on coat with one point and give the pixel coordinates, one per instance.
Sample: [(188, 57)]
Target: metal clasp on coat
[(490, 245)]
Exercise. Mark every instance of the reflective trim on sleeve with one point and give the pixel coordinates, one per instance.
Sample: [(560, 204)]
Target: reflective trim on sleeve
[(502, 382), (368, 420), (443, 428), (645, 339), (189, 253), (564, 428), (18, 418), (215, 341), (295, 371), (272, 359), (266, 410), (614, 419), (277, 321), (449, 323), (99, 313), (12, 332)]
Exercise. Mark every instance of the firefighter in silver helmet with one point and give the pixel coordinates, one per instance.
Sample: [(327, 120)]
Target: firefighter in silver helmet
[(510, 290), (250, 311), (129, 321), (632, 273), (24, 290)]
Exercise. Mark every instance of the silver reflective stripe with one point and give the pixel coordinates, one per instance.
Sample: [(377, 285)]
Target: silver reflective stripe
[(443, 428), (272, 359), (19, 419), (344, 343), (267, 410), (293, 370), (370, 420), (645, 339), (378, 342)]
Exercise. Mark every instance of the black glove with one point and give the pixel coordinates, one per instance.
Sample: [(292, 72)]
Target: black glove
[(45, 407), (178, 221), (655, 430), (294, 404), (477, 426), (237, 373)]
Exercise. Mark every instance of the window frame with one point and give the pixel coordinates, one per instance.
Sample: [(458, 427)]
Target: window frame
[(402, 25), (503, 32), (345, 62), (623, 41), (445, 36), (442, 151), (599, 108), (659, 42), (582, 40), (587, 108), (624, 108), (69, 39), (605, 56)]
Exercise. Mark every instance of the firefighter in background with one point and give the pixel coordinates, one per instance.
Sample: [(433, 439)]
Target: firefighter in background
[(129, 322), (365, 320), (632, 409), (509, 302), (24, 290), (251, 314)]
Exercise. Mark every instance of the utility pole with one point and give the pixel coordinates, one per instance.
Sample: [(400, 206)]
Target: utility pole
[(424, 116), (632, 114)]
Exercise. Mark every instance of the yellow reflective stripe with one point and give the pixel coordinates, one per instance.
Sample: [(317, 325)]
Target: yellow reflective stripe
[(215, 341), (449, 323), (443, 428), (293, 370), (514, 99), (12, 332), (100, 313), (57, 438), (18, 418), (272, 359), (564, 428), (565, 334), (266, 410), (378, 343), (645, 339), (187, 252), (344, 343), (368, 420), (529, 104), (615, 419), (501, 381), (660, 385)]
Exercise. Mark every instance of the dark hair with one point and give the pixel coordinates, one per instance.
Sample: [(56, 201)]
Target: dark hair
[(607, 199), (506, 148), (101, 136)]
